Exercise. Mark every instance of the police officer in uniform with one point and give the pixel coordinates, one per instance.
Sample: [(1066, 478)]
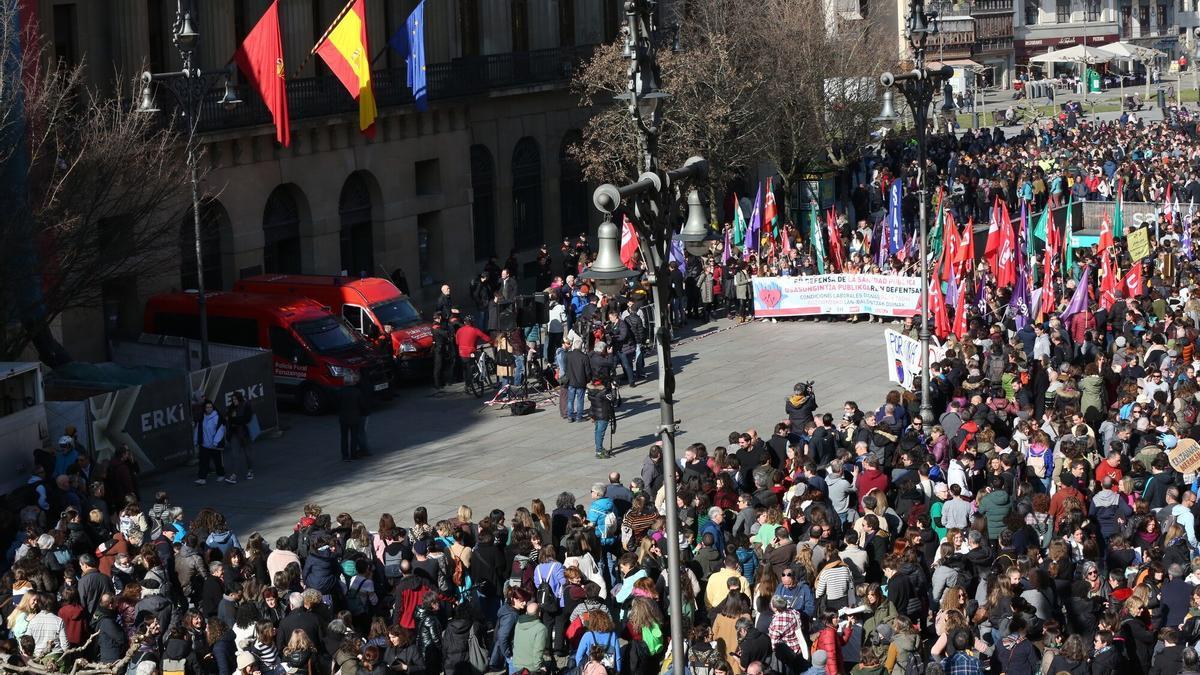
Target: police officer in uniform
[(442, 344)]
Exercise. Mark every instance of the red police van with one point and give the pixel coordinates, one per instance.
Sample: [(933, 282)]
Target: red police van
[(372, 306), (314, 350)]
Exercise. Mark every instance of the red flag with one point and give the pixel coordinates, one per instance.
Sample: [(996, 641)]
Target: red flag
[(835, 241), (260, 59), (1108, 283), (629, 243), (950, 247), (937, 307), (966, 245), (785, 241), (1106, 234), (994, 239), (1004, 266), (1131, 284), (960, 313), (1046, 306)]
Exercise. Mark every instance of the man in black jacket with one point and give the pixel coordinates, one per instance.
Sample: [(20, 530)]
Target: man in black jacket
[(93, 584), (303, 617), (753, 645), (352, 418), (579, 373), (111, 638)]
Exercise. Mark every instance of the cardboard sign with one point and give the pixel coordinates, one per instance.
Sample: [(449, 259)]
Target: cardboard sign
[(1138, 242), (1185, 456)]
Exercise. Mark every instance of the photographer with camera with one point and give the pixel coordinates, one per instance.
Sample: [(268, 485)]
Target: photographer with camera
[(801, 405)]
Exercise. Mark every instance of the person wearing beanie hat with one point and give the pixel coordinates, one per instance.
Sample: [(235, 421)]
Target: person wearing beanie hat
[(818, 660), (155, 602)]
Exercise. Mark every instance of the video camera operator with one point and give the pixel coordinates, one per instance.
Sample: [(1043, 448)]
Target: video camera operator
[(801, 405), (603, 366), (624, 344)]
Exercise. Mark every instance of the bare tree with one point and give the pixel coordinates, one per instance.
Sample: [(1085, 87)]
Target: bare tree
[(709, 113), (820, 84), (99, 199)]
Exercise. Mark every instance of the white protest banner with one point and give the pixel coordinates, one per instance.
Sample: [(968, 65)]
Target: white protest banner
[(878, 294), (904, 357)]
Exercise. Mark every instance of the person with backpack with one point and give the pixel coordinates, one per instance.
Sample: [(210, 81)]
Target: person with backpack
[(209, 437), (600, 633), (549, 579), (506, 624), (359, 590)]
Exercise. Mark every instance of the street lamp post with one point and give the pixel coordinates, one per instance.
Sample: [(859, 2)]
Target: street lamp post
[(918, 87), (189, 86), (654, 199)]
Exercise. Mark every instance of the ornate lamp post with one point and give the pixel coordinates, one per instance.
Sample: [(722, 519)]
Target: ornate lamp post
[(654, 199), (189, 86), (918, 86)]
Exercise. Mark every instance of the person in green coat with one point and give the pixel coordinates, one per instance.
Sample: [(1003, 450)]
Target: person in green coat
[(941, 492), (529, 641), (995, 506), (1091, 398)]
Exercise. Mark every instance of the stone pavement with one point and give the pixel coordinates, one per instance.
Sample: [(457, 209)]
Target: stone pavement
[(444, 449)]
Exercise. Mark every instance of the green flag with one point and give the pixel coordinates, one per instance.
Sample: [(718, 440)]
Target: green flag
[(818, 243), (936, 236), (1068, 256), (1039, 230), (739, 223), (1118, 220)]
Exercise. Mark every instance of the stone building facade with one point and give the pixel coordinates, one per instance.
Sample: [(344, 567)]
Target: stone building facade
[(482, 172)]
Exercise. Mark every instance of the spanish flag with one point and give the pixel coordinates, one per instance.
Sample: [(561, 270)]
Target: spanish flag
[(344, 48)]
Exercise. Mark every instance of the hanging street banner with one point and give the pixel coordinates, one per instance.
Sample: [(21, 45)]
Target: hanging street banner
[(904, 358), (878, 294)]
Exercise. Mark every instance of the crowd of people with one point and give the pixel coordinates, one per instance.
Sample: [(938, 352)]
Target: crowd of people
[(1036, 522)]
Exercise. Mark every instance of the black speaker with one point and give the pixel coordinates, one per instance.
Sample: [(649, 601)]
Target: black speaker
[(532, 310), (519, 408)]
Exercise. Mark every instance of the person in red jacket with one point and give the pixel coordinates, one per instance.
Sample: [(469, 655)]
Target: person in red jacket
[(870, 478), (469, 337), (1111, 466), (830, 641)]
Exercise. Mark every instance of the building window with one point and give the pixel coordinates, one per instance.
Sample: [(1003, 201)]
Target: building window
[(212, 218), (1063, 11), (281, 233), (1031, 12), (574, 199), (427, 226), (520, 25), (1162, 18), (483, 203), (65, 30), (239, 21), (566, 23), (1093, 10), (614, 14), (357, 244), (527, 194), (427, 177), (156, 20), (468, 26)]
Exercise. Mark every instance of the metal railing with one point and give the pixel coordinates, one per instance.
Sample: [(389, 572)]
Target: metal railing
[(324, 95)]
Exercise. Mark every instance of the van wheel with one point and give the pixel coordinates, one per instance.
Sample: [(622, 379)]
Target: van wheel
[(312, 401)]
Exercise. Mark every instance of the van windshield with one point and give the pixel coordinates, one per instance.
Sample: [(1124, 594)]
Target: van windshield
[(398, 313), (327, 335)]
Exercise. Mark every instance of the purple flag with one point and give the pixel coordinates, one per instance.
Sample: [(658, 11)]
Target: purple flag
[(878, 243), (678, 256), (894, 219), (754, 231), (981, 299), (951, 289), (1079, 300), (728, 245), (1018, 305)]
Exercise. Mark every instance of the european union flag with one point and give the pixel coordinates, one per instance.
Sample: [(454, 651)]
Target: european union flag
[(410, 41)]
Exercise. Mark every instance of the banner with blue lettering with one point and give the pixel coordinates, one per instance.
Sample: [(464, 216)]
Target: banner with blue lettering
[(895, 219), (878, 294)]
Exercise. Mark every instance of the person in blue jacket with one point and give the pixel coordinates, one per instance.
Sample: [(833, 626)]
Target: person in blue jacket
[(600, 631)]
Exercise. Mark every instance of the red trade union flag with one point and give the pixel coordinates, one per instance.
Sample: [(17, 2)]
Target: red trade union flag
[(260, 58), (1131, 284), (1106, 234), (1108, 284), (629, 242)]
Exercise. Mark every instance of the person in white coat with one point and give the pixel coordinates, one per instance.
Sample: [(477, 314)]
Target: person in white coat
[(210, 440)]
